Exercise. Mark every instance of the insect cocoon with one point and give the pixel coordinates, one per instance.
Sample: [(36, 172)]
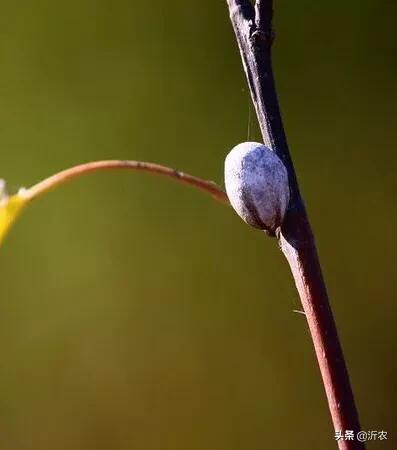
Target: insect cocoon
[(257, 185)]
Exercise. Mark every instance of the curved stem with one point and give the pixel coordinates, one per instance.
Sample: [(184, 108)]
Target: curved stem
[(74, 172)]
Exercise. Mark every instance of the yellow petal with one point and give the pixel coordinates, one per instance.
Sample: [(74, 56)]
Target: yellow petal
[(9, 211)]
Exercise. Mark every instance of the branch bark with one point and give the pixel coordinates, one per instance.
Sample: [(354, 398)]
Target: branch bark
[(253, 30)]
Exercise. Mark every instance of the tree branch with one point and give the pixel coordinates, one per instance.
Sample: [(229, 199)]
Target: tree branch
[(252, 27), (74, 172), (12, 206)]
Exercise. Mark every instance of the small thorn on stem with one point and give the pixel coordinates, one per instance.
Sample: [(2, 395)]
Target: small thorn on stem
[(298, 311)]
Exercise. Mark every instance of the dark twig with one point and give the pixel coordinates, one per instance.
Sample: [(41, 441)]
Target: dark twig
[(252, 26)]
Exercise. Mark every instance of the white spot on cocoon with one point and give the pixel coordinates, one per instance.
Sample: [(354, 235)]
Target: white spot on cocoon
[(257, 185)]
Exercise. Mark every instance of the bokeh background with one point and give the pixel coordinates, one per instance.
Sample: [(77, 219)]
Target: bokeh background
[(138, 314)]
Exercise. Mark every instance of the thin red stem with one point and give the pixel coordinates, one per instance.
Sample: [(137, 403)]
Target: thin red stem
[(74, 172)]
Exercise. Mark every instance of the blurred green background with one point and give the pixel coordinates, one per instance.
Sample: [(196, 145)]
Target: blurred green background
[(138, 314)]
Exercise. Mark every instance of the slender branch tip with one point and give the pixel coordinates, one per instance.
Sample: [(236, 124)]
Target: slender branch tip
[(66, 175)]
